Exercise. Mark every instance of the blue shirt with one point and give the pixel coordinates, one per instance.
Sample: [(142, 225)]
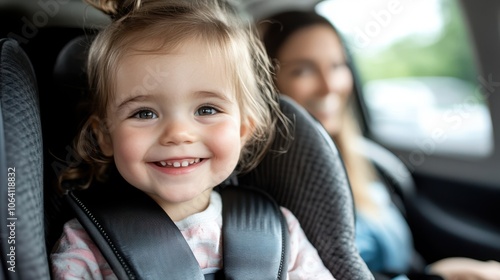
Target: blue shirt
[(383, 237)]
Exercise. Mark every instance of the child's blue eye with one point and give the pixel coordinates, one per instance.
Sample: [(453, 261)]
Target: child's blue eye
[(206, 110), (145, 114)]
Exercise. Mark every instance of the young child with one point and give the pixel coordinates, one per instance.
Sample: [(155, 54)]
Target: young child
[(181, 97)]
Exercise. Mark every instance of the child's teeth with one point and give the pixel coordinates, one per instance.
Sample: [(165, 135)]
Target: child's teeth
[(183, 163)]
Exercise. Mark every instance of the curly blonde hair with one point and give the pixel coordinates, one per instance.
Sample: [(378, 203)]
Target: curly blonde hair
[(167, 24)]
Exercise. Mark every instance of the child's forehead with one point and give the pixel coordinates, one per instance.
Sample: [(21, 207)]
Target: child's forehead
[(148, 63), (221, 55), (213, 51)]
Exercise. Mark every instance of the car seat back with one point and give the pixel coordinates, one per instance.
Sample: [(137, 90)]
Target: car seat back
[(310, 180), (22, 237)]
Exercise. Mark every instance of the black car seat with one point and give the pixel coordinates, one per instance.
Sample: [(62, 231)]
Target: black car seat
[(22, 240), (309, 179)]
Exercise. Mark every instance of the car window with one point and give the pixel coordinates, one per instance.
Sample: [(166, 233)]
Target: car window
[(420, 85)]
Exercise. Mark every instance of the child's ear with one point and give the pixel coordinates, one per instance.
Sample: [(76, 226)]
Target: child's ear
[(246, 129), (103, 138)]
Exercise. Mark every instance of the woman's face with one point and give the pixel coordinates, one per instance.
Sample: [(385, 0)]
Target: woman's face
[(312, 70)]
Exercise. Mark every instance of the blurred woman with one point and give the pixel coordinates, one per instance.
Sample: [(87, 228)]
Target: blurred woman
[(312, 68)]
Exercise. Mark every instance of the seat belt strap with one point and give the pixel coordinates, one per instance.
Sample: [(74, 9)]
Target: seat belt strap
[(134, 234)]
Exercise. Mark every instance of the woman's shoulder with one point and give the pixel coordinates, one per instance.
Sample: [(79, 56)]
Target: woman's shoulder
[(379, 192)]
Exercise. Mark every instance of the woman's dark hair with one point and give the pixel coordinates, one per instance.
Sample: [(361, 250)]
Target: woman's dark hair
[(277, 28)]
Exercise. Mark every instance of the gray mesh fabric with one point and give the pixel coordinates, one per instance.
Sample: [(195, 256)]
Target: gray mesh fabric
[(21, 148), (310, 180)]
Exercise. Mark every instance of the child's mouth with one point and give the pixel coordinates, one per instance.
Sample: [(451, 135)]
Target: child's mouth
[(178, 163)]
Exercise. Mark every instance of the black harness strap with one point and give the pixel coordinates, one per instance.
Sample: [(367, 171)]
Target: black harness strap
[(131, 231), (140, 241)]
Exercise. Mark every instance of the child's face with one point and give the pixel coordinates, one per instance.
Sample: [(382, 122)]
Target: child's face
[(175, 125)]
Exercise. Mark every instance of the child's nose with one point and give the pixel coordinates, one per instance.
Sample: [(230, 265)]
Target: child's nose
[(177, 132)]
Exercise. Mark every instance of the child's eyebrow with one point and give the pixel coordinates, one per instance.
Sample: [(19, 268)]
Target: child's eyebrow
[(132, 99), (200, 94), (215, 94)]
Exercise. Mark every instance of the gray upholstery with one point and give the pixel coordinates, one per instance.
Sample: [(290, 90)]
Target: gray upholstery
[(21, 148)]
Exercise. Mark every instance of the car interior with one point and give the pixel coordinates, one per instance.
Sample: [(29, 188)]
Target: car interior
[(278, 176), (449, 197)]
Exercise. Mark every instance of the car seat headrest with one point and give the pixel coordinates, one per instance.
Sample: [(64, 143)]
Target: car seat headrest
[(69, 68), (70, 82)]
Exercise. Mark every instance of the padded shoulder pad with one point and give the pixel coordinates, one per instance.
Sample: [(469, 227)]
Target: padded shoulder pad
[(255, 235)]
